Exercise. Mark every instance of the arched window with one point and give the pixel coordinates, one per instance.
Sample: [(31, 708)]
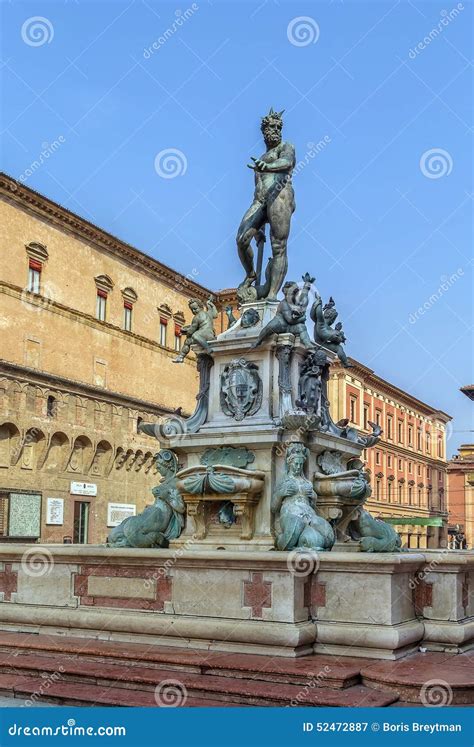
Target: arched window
[(129, 297), (37, 255), (104, 286)]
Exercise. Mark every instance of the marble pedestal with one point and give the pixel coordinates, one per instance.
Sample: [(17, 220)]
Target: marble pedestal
[(380, 606)]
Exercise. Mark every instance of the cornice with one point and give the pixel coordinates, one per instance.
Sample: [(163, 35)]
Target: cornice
[(72, 386), (376, 382), (47, 209)]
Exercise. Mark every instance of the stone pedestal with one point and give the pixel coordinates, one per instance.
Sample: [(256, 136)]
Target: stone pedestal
[(380, 606)]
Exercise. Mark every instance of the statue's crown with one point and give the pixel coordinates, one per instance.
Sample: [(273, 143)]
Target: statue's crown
[(272, 118)]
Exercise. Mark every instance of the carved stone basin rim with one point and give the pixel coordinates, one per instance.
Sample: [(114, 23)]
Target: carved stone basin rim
[(219, 478)]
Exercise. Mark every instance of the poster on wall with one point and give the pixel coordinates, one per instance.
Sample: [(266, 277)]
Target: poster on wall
[(117, 512), (24, 517), (55, 511)]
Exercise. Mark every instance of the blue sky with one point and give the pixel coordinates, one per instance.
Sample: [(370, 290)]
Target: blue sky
[(384, 208)]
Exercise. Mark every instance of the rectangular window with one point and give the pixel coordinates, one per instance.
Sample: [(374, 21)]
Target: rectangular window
[(377, 457), (400, 464), (410, 496), (101, 306), (410, 467), (177, 338), (81, 522), (34, 276), (428, 473), (366, 417), (419, 470), (389, 460), (440, 447), (389, 491), (378, 417), (400, 431), (428, 442), (400, 493), (389, 427), (418, 439), (127, 316), (163, 328), (377, 489), (353, 405), (410, 435)]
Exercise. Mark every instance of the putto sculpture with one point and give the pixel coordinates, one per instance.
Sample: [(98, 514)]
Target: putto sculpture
[(201, 330), (291, 313), (297, 525), (160, 523), (273, 203), (324, 334)]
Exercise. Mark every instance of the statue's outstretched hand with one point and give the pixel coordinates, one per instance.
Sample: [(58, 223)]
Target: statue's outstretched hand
[(307, 279), (259, 165)]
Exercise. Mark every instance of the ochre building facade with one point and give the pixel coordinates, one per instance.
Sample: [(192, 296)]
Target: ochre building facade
[(408, 467), (90, 327), (461, 492)]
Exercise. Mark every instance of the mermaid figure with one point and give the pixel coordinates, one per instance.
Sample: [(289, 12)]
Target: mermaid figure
[(297, 524)]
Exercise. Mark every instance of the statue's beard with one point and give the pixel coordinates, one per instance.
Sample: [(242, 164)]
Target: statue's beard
[(272, 138)]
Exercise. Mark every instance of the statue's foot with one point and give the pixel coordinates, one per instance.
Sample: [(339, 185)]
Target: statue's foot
[(179, 359)]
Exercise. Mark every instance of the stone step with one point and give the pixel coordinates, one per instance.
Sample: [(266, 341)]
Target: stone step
[(324, 671), (51, 673), (433, 677), (24, 688)]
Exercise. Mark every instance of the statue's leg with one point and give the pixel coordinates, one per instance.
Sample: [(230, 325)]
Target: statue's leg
[(304, 336), (341, 354), (183, 353), (291, 529), (202, 342), (311, 539), (276, 327), (279, 212), (252, 222)]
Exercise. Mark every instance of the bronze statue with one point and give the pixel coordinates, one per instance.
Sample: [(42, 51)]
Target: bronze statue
[(201, 330), (162, 521), (291, 313), (324, 334), (297, 524), (273, 203)]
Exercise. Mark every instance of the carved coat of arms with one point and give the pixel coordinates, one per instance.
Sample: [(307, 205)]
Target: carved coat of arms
[(241, 389)]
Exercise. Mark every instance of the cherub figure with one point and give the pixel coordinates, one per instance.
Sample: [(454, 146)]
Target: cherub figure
[(324, 334), (291, 313), (201, 330)]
